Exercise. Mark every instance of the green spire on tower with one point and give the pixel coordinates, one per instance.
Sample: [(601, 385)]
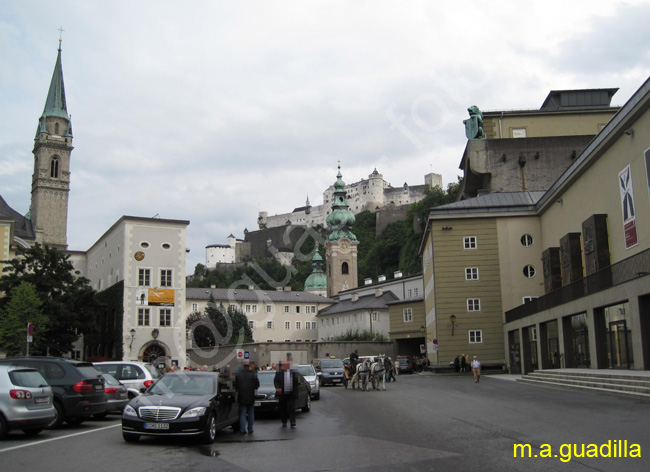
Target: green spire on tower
[(341, 219)]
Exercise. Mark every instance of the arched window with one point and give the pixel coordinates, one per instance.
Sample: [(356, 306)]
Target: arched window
[(54, 168), (344, 268)]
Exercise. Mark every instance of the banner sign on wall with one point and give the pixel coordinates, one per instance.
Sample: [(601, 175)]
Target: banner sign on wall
[(627, 206)]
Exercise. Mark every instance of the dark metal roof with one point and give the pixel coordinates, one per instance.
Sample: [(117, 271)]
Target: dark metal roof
[(245, 295), (23, 228), (495, 202), (366, 302)]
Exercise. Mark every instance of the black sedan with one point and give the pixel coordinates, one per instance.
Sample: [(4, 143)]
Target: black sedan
[(265, 399), (182, 404)]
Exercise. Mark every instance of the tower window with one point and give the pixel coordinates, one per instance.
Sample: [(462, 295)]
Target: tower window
[(344, 268), (56, 129), (54, 168)]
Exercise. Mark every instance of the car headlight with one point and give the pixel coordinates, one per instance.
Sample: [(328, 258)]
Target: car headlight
[(313, 383), (271, 397), (129, 411), (194, 412)]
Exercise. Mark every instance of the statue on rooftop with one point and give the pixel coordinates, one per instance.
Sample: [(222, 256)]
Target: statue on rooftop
[(474, 125)]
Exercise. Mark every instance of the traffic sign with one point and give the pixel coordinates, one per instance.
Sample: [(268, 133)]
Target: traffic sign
[(247, 355), (30, 338), (30, 329)]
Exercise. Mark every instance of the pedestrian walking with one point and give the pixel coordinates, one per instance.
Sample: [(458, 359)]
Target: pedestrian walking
[(246, 382), (463, 363), (457, 364), (286, 389), (476, 369), (390, 371)]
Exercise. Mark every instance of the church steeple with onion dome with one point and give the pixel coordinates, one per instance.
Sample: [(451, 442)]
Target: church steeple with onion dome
[(341, 245)]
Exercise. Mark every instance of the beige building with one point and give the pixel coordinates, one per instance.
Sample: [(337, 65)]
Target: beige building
[(558, 276), (407, 322), (273, 315)]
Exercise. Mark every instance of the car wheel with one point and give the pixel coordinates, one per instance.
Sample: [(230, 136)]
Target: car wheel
[(307, 406), (210, 432), (100, 416), (32, 432), (4, 429), (130, 437), (58, 418)]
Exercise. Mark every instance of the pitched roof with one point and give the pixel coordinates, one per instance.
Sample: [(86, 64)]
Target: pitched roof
[(497, 202), (23, 227), (365, 302), (245, 295)]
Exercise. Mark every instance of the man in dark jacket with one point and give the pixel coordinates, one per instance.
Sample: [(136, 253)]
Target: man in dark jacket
[(286, 389), (246, 382)]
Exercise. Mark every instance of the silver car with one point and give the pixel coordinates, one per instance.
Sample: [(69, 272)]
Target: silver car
[(133, 374), (309, 373), (25, 400)]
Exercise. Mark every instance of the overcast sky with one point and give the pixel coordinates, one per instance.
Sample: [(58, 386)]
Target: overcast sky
[(211, 111)]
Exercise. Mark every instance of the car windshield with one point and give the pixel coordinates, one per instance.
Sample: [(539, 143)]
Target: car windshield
[(185, 384), (155, 373), (27, 378), (331, 363), (110, 380), (266, 378), (306, 370)]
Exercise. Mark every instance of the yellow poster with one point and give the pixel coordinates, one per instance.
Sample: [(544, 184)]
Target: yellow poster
[(161, 296)]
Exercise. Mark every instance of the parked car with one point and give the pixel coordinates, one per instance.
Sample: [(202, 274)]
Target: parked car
[(266, 400), (331, 371), (133, 374), (184, 404), (25, 400), (404, 364), (310, 375), (78, 387), (116, 396)]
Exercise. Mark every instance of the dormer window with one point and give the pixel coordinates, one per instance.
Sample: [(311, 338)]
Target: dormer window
[(54, 168)]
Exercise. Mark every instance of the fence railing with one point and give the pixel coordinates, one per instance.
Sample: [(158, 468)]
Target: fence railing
[(619, 273)]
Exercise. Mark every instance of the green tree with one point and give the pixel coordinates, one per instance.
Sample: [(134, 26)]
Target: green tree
[(68, 301), (23, 306)]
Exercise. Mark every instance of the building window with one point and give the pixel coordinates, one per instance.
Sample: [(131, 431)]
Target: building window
[(518, 132), (195, 307), (298, 325), (408, 315), (165, 317), (269, 325), (165, 277), (469, 242), (144, 277), (529, 299), (297, 309), (313, 309), (533, 333), (314, 325), (375, 316), (287, 309), (251, 324), (287, 325), (409, 293), (415, 292), (269, 340), (143, 316), (529, 271), (526, 240), (248, 308), (269, 308), (475, 336), (471, 273), (344, 268), (54, 168), (254, 308), (473, 304)]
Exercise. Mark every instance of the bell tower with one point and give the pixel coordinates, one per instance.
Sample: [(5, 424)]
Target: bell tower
[(341, 244), (51, 178)]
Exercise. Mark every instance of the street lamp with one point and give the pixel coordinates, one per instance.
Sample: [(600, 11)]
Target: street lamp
[(132, 332), (452, 318)]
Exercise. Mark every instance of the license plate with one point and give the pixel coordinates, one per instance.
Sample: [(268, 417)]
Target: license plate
[(156, 426), (258, 404), (99, 387), (122, 395), (336, 380), (42, 400)]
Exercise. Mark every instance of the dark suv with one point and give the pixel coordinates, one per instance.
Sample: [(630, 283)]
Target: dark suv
[(77, 386)]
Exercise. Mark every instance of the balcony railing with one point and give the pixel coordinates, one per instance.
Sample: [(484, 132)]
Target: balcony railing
[(619, 273)]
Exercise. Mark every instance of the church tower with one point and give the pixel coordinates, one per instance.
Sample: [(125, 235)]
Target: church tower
[(341, 244), (51, 178)]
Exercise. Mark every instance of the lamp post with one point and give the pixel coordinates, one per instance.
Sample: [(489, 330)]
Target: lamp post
[(132, 332), (452, 318)]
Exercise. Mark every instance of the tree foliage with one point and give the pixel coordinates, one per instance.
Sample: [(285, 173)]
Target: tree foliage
[(218, 326), (23, 307), (67, 302)]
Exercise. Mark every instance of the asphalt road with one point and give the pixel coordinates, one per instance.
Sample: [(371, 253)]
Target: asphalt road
[(420, 423)]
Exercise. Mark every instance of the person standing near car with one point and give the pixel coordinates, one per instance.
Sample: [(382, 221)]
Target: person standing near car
[(286, 389), (246, 382)]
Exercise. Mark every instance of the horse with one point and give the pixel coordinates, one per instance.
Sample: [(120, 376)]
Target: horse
[(349, 374), (363, 374), (378, 372)]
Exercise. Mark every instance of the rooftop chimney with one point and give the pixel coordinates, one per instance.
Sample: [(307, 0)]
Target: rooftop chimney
[(381, 278), (397, 274), (355, 296), (379, 292), (367, 281)]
